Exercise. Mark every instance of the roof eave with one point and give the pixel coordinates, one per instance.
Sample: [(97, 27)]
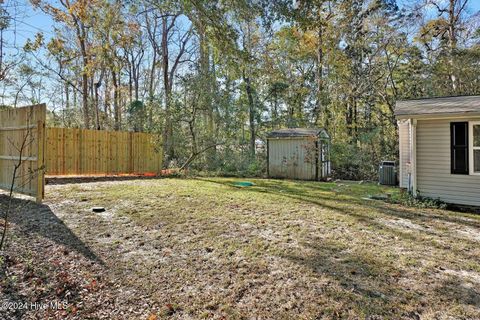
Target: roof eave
[(433, 116)]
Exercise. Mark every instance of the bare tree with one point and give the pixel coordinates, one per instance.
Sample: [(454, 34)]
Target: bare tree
[(172, 45)]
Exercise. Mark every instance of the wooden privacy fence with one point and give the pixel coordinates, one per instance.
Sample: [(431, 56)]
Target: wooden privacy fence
[(90, 152), (34, 150), (22, 146)]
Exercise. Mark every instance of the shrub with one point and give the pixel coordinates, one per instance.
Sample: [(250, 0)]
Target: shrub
[(350, 162), (407, 199), (232, 162)]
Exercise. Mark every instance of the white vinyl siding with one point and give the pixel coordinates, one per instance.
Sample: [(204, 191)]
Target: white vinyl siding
[(434, 178), (404, 148)]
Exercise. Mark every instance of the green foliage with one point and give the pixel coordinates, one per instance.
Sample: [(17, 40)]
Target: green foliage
[(351, 162), (230, 163), (407, 199), (137, 114), (4, 19), (228, 72), (359, 160)]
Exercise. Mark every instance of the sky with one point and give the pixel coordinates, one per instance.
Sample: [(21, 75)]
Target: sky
[(27, 22)]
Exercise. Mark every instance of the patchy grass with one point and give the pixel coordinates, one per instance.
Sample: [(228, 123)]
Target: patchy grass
[(203, 248)]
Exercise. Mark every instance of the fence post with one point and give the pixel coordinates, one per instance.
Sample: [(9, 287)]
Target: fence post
[(40, 160)]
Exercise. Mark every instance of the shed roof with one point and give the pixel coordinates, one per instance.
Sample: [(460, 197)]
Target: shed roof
[(462, 105), (297, 133)]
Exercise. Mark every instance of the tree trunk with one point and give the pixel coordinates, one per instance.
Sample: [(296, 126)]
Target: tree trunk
[(97, 113), (75, 100), (86, 116), (81, 34), (251, 113), (207, 104), (67, 96), (349, 118), (355, 120), (106, 106), (2, 76), (452, 44), (116, 109), (96, 87), (275, 110), (151, 88), (136, 76), (319, 75), (130, 81), (167, 130)]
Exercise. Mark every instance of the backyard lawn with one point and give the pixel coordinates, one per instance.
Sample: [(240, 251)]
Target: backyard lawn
[(203, 248)]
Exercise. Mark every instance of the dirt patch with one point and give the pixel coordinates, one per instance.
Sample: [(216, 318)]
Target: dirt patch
[(402, 224)]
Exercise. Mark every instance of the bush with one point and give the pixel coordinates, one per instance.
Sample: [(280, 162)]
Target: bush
[(350, 162), (407, 199), (232, 162), (238, 166)]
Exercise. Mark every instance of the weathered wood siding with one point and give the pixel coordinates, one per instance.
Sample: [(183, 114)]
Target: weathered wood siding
[(292, 158), (433, 166), (405, 152), (90, 152)]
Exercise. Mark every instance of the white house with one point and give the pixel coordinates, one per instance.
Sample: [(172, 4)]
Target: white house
[(440, 148)]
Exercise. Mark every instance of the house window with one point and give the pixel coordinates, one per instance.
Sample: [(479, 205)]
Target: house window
[(475, 148), (459, 147)]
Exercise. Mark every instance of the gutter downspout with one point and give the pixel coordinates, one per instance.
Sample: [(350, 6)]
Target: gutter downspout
[(268, 158), (400, 155), (413, 155)]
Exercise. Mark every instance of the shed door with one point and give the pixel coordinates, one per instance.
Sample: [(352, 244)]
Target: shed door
[(324, 159)]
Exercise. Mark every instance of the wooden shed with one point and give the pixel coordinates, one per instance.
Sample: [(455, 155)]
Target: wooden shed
[(298, 153)]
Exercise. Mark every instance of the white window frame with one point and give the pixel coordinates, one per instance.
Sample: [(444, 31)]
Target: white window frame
[(471, 147)]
